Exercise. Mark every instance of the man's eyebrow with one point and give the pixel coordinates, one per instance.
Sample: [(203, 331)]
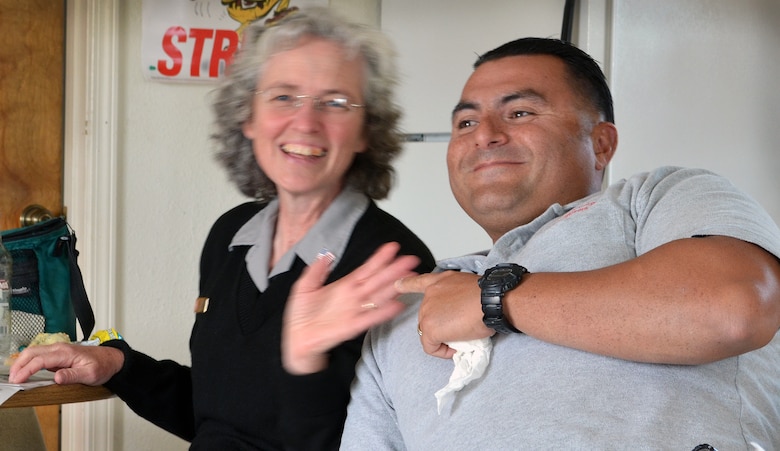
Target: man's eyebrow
[(524, 94), (463, 106)]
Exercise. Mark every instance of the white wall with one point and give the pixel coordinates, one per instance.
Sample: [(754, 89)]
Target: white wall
[(437, 42), (696, 84), (170, 192), (694, 81)]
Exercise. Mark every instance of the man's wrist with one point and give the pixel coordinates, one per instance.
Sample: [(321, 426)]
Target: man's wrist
[(494, 284)]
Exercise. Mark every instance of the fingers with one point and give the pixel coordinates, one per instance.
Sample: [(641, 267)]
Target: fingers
[(71, 363), (91, 365), (381, 258), (418, 283), (66, 376), (373, 282), (381, 284), (433, 346), (314, 276), (371, 287), (36, 358), (442, 351), (318, 317), (372, 317), (450, 310), (381, 269)]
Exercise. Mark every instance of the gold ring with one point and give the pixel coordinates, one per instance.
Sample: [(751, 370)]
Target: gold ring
[(370, 306), (419, 332)]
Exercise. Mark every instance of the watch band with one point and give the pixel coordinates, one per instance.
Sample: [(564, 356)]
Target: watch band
[(496, 282)]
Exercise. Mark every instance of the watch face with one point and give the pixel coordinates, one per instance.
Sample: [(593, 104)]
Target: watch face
[(500, 272), (500, 278)]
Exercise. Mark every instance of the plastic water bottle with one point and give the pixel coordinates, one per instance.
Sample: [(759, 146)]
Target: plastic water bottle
[(5, 302)]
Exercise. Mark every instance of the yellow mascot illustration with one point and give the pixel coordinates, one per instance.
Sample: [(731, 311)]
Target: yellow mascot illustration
[(245, 12)]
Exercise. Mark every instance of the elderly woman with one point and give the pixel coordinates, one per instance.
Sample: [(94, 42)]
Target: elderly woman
[(306, 125)]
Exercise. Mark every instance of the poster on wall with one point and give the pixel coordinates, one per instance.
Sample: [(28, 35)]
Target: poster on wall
[(194, 40)]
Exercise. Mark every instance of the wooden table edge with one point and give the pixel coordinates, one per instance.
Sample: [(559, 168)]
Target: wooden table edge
[(57, 394)]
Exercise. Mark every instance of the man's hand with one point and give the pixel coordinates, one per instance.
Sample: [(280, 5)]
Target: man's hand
[(450, 311), (319, 317), (71, 363)]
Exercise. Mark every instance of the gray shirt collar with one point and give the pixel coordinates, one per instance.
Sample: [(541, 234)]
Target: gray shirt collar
[(330, 233), (508, 246)]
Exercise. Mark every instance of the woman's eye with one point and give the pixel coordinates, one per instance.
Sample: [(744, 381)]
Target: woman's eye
[(335, 103), (282, 98)]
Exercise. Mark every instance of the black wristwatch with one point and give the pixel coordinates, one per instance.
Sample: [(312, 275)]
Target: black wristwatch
[(494, 284)]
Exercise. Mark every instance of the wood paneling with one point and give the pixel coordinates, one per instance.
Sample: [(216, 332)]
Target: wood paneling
[(32, 78), (31, 106)]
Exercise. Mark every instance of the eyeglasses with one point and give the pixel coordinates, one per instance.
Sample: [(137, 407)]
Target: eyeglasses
[(284, 101)]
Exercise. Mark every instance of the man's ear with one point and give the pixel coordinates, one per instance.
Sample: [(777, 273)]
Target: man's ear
[(605, 141)]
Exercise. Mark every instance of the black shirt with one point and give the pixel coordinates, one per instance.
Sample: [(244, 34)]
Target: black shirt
[(237, 395)]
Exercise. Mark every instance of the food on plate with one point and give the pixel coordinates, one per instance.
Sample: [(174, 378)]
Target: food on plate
[(42, 338), (49, 339)]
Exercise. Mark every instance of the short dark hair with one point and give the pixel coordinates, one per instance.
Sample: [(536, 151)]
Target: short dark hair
[(588, 78)]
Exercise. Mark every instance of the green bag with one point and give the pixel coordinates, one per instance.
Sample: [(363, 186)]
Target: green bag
[(48, 293)]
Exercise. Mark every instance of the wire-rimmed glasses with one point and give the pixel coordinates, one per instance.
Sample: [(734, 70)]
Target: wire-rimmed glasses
[(284, 100)]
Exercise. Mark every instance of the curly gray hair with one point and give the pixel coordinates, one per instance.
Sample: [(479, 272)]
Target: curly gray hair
[(371, 171)]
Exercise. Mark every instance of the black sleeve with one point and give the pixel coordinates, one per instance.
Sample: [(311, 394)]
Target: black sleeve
[(158, 390), (316, 403)]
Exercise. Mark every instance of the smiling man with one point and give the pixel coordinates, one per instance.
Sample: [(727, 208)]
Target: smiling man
[(649, 310)]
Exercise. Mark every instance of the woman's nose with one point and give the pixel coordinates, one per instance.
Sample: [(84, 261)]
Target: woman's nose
[(307, 114)]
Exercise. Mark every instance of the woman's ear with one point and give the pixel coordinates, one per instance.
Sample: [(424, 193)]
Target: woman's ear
[(605, 141), (248, 128), (363, 143)]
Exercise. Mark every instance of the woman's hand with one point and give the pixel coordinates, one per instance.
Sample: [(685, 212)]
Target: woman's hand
[(71, 363), (319, 317)]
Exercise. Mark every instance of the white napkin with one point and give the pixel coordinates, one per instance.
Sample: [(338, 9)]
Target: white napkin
[(470, 359)]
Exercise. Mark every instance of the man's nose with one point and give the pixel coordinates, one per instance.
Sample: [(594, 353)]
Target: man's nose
[(491, 132)]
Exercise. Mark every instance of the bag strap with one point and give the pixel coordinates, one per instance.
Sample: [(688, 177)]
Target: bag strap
[(78, 294)]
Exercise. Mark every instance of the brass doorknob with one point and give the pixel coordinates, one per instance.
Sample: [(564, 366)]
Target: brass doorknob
[(33, 214)]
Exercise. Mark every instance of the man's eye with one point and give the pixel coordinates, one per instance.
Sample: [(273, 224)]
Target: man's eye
[(465, 124), (519, 113)]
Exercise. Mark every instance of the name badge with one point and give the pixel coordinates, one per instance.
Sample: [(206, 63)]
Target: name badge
[(201, 305)]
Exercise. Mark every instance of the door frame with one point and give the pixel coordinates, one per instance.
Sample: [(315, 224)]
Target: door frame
[(90, 186)]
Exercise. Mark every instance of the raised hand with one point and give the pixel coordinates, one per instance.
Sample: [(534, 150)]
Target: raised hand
[(319, 317)]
